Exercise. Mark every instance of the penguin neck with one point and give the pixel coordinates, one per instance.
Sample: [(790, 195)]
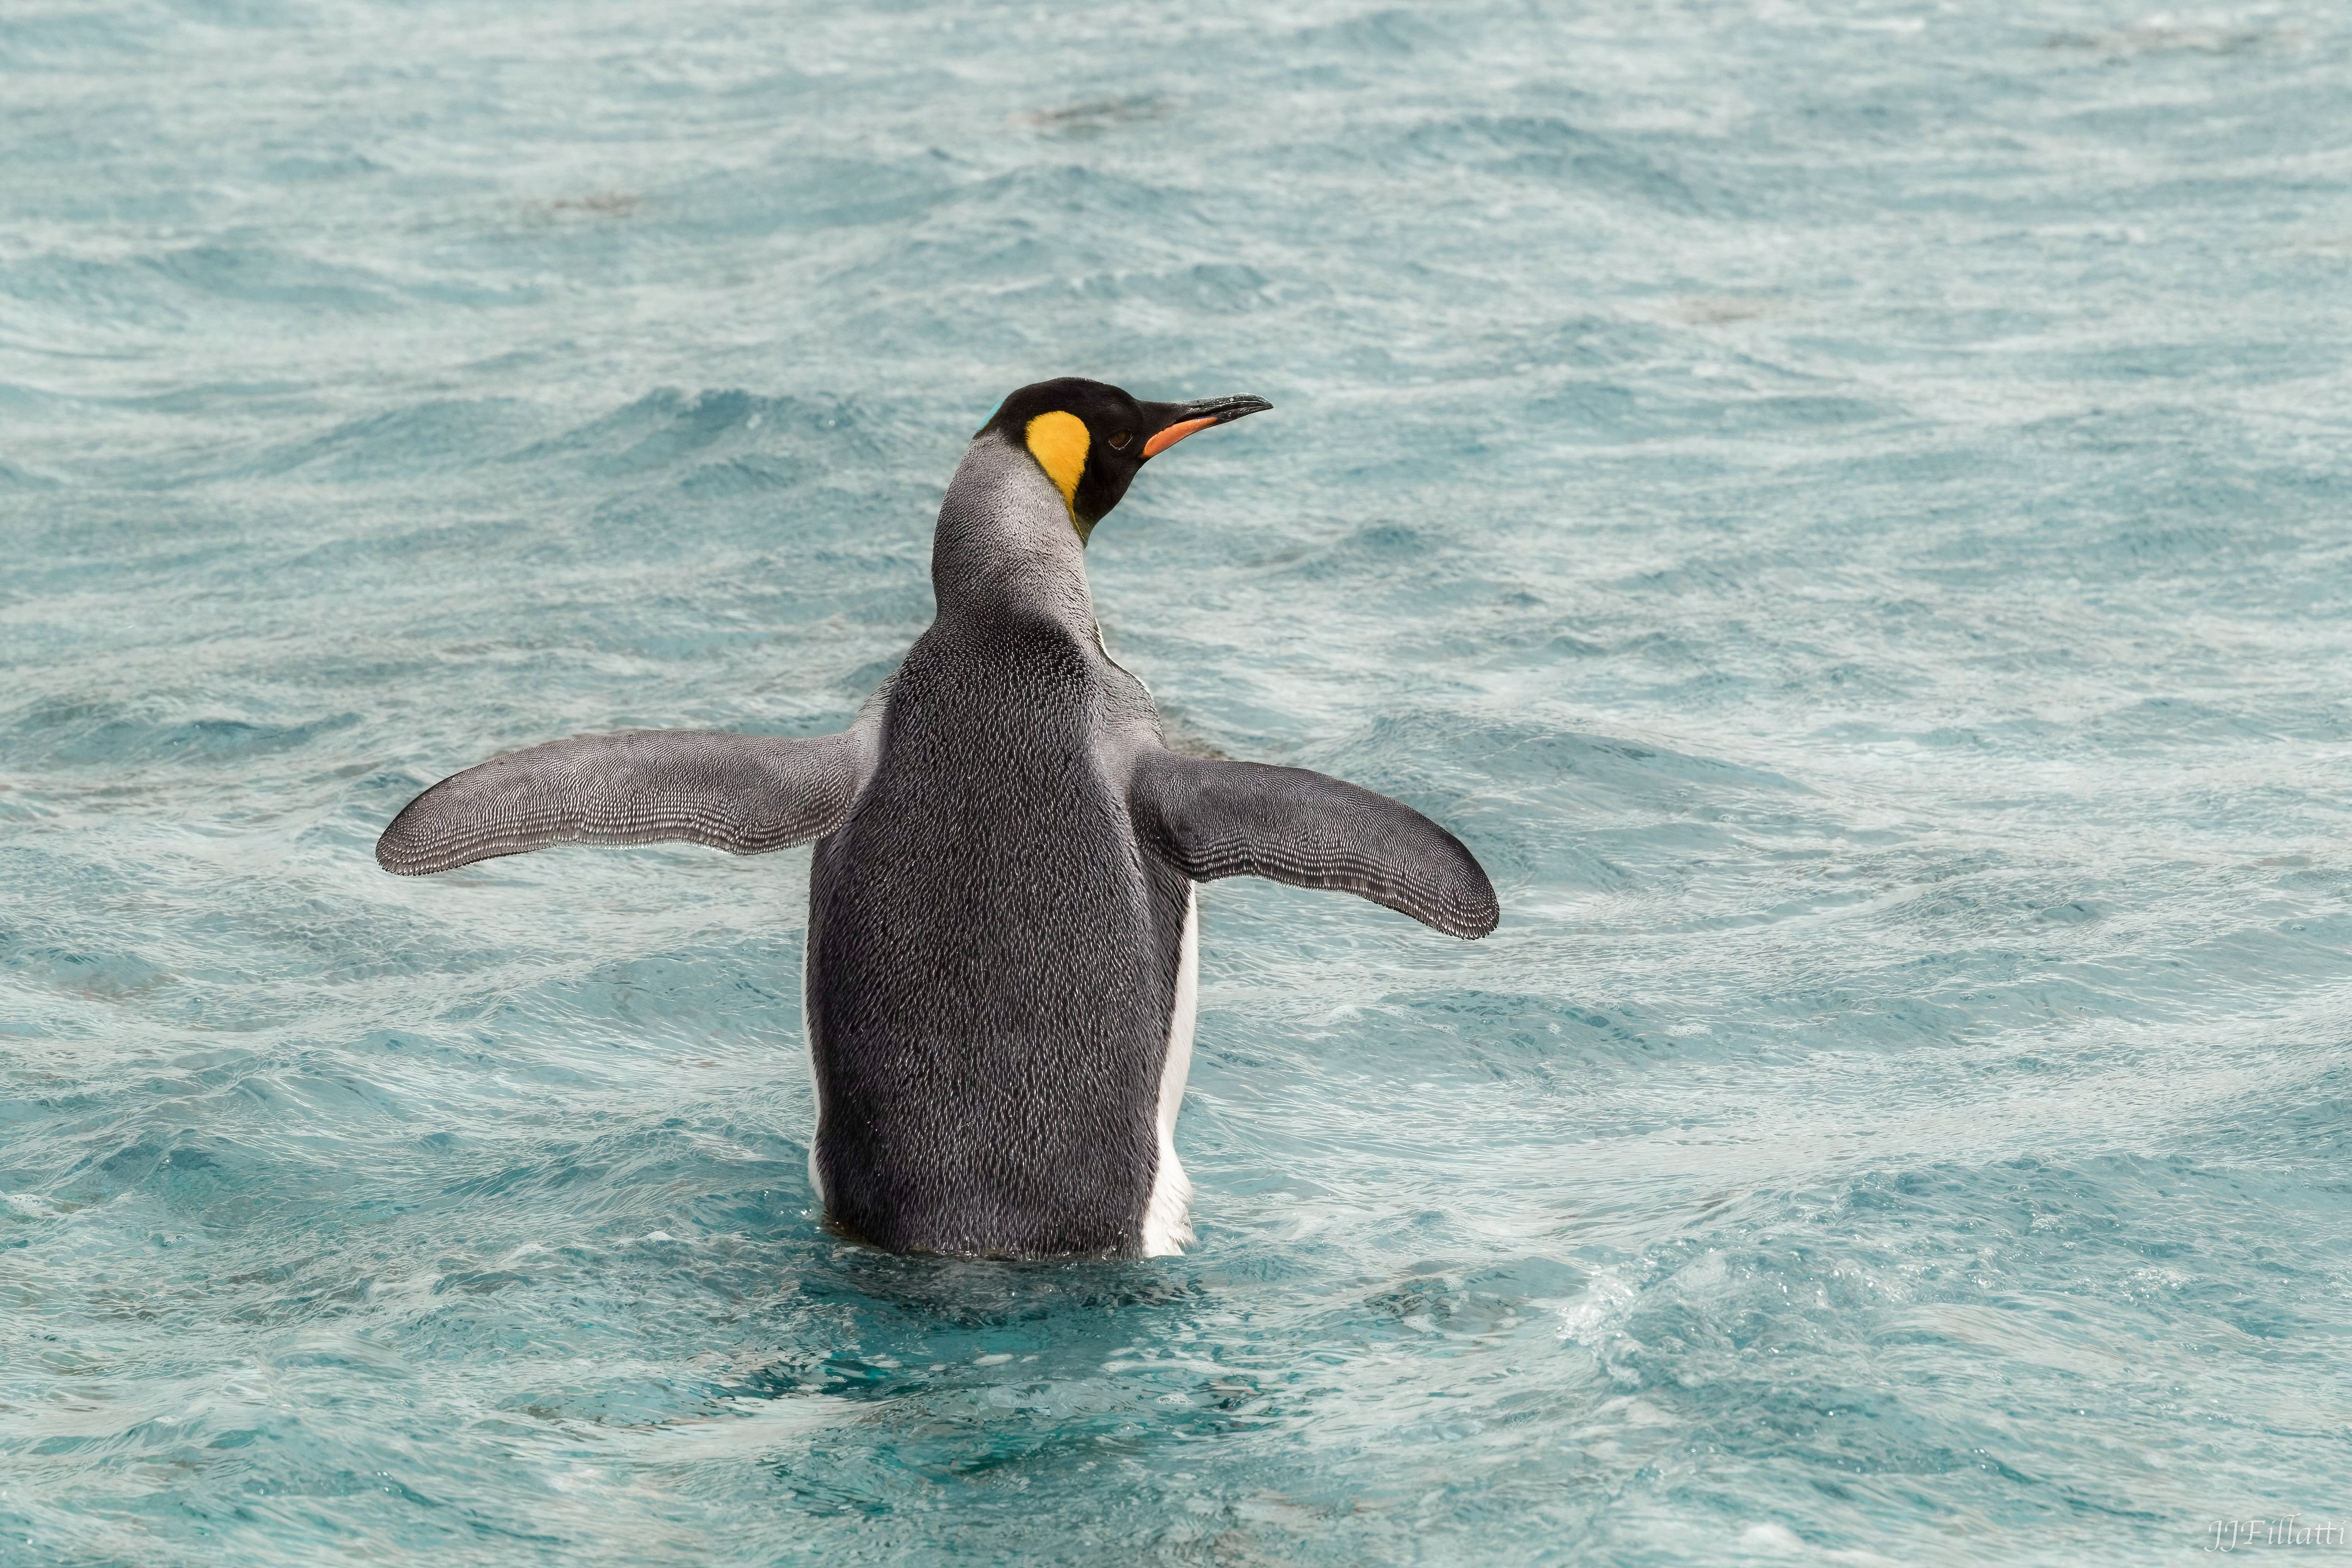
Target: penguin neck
[(1005, 549)]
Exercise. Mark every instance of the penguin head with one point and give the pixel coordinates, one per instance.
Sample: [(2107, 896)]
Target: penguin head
[(1090, 437)]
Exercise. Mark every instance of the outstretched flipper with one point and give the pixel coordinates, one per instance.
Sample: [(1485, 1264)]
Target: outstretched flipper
[(1219, 819), (742, 793)]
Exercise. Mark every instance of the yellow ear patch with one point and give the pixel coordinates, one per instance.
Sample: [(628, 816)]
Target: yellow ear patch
[(1059, 441)]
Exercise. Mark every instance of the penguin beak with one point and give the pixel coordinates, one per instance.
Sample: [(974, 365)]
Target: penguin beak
[(1177, 420)]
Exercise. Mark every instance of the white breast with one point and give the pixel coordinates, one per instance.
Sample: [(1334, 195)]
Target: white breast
[(1167, 1218), (816, 1100)]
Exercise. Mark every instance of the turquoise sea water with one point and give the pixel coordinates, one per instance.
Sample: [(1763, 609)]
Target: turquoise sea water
[(1842, 505)]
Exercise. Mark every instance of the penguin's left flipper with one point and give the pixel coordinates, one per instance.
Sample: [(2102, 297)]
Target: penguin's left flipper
[(742, 793), (1219, 819)]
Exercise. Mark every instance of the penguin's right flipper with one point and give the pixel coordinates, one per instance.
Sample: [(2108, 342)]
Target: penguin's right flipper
[(742, 793), (1219, 819)]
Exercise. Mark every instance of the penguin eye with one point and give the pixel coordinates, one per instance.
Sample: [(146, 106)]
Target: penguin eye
[(1119, 442)]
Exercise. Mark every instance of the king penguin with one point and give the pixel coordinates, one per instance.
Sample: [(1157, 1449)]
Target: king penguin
[(1003, 951)]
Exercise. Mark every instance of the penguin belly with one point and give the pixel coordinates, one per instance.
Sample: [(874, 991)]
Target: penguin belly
[(993, 990), (1168, 1214)]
